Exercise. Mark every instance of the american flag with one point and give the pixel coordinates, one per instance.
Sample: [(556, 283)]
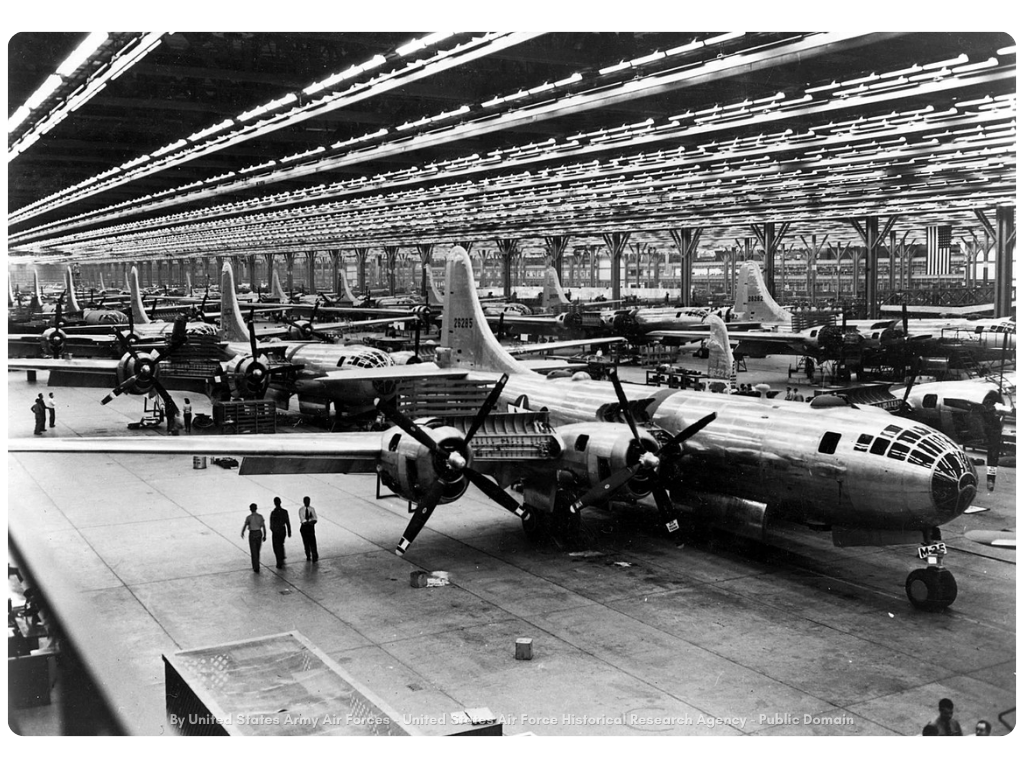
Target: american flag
[(940, 261)]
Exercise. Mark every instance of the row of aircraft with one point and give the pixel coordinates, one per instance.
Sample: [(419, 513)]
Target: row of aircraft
[(690, 457)]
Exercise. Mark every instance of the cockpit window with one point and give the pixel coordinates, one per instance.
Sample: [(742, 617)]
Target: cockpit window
[(930, 401), (899, 451), (828, 443), (341, 361), (581, 442), (393, 444), (862, 443), (879, 446)]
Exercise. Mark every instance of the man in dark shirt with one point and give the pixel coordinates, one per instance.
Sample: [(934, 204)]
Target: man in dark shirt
[(279, 524), (946, 724)]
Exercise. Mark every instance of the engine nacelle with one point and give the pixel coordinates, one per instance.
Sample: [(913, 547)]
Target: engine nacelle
[(53, 342), (595, 451), (248, 377), (142, 369), (409, 469), (728, 513)]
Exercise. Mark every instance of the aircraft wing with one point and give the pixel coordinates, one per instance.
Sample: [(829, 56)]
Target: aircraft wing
[(750, 343), (415, 371), (1004, 539), (91, 365), (544, 366), (354, 452), (527, 349)]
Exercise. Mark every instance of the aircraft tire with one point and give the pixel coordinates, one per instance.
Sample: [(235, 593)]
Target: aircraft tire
[(533, 526), (931, 589)]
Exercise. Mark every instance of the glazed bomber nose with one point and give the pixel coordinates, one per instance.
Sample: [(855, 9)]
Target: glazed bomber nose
[(954, 484)]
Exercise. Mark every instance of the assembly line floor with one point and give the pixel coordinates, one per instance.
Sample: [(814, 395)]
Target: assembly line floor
[(631, 637)]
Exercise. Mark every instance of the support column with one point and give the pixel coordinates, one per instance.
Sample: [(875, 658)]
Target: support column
[(686, 240), (556, 250), (1006, 237), (506, 248), (616, 242), (872, 237), (289, 265), (391, 259), (250, 265), (770, 240), (425, 250), (361, 254), (336, 264), (310, 272), (813, 250)]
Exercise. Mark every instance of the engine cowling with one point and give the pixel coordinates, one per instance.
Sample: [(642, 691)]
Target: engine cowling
[(143, 369), (248, 377), (54, 342), (595, 451), (733, 514), (409, 469)]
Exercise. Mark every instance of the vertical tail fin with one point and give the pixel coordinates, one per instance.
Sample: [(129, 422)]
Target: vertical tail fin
[(188, 283), (103, 288), (69, 283), (138, 311), (276, 289), (434, 297), (553, 296), (232, 325), (721, 364), (10, 291), (754, 303), (37, 294), (466, 338), (346, 291)]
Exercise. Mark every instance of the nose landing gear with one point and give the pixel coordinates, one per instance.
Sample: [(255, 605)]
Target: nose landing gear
[(932, 588)]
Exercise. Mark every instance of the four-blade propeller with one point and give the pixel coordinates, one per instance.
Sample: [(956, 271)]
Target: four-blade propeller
[(647, 464), (452, 463)]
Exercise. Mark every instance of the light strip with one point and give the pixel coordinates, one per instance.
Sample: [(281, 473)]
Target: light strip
[(84, 50)]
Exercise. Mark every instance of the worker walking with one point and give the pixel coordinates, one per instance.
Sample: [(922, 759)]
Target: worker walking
[(307, 529), (279, 524), (188, 416), (257, 535)]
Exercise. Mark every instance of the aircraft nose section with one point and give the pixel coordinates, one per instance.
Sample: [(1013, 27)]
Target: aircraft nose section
[(954, 484)]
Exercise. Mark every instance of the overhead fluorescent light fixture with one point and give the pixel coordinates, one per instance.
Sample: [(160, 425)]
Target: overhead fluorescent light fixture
[(85, 49), (423, 42)]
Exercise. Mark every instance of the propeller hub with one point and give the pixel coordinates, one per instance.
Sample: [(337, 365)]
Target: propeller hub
[(456, 461), (650, 461)]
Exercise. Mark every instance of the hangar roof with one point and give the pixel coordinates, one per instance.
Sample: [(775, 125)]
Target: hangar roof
[(192, 143)]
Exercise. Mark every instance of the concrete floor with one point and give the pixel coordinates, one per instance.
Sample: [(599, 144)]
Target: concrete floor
[(717, 638)]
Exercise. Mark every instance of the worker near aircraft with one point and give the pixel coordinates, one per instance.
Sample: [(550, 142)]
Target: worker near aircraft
[(39, 411), (51, 406), (257, 535), (279, 524), (307, 529), (187, 413)]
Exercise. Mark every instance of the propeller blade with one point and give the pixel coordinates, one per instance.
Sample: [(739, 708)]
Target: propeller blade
[(119, 389), (485, 409), (624, 404), (407, 425), (607, 488), (170, 407), (125, 344), (419, 518), (668, 512), (689, 432), (494, 491), (252, 340)]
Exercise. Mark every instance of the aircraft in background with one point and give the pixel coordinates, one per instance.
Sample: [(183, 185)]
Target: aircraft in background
[(731, 462)]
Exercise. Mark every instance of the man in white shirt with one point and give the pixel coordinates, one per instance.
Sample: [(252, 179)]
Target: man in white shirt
[(307, 529), (51, 406)]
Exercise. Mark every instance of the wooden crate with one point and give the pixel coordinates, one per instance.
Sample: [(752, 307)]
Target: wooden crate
[(246, 417)]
